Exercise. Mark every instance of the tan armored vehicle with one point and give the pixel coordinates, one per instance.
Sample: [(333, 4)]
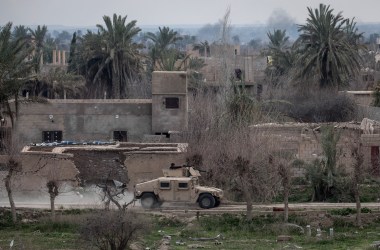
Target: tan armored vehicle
[(179, 184)]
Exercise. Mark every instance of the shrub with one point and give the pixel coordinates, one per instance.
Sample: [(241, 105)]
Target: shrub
[(340, 222), (320, 106), (376, 96), (343, 211), (348, 211), (113, 229)]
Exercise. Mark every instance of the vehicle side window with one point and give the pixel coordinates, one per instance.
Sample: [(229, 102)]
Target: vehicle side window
[(165, 185), (183, 185)]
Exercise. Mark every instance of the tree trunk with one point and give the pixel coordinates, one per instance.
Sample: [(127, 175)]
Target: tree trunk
[(52, 206), (115, 82), (107, 205), (10, 195), (248, 199), (358, 206), (249, 208), (9, 110), (286, 203)]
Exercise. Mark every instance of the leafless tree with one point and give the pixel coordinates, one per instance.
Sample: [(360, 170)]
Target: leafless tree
[(112, 191), (357, 178), (237, 159), (283, 161), (13, 166), (235, 155), (57, 182)]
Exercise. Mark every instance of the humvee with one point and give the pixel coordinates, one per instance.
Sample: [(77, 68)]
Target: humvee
[(179, 184)]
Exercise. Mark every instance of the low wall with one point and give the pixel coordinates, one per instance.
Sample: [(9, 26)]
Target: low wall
[(127, 162)]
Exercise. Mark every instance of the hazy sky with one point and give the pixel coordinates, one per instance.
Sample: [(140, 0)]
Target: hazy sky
[(169, 12)]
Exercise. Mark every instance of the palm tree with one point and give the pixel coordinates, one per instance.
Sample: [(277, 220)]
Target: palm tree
[(164, 38), (280, 50), (49, 46), (38, 38), (57, 83), (15, 69), (20, 31), (90, 60), (163, 56), (328, 47), (120, 52), (282, 57), (203, 47)]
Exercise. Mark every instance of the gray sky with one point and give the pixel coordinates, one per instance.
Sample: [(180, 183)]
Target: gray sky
[(169, 12)]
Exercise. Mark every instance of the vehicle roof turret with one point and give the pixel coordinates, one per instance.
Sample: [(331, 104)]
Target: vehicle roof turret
[(180, 171)]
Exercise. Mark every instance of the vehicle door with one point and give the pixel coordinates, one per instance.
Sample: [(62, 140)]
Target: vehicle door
[(166, 191), (183, 190)]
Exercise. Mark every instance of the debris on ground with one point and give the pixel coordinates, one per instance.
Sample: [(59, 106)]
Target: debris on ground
[(195, 246), (284, 238), (180, 243), (219, 236), (375, 244), (291, 246)]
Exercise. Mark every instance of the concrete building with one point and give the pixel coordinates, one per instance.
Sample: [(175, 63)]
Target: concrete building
[(248, 70), (304, 141), (108, 120), (125, 122)]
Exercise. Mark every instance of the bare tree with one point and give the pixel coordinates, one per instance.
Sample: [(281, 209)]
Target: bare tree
[(238, 160), (235, 155), (57, 180), (53, 189), (357, 178), (13, 166), (113, 191), (283, 161)]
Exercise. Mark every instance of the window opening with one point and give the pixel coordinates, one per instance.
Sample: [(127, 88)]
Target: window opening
[(172, 102), (52, 136), (120, 136)]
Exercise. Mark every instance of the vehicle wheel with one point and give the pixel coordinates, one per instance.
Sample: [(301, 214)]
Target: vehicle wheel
[(206, 201), (148, 200), (217, 202)]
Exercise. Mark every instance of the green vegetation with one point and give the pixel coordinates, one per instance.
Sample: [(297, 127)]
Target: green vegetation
[(39, 232), (235, 232), (227, 231)]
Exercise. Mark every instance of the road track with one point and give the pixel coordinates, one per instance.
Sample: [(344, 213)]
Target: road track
[(194, 208), (257, 208)]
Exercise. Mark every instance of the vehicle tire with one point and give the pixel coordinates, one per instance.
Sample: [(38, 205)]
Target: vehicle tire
[(148, 200), (206, 201), (217, 202)]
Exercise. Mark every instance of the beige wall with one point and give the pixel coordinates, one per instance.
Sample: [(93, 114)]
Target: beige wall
[(84, 120), (143, 166), (166, 85), (304, 140), (364, 98), (38, 168), (126, 162)]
